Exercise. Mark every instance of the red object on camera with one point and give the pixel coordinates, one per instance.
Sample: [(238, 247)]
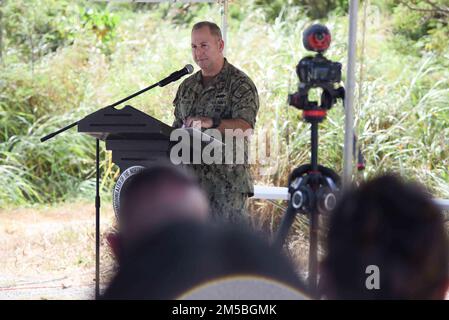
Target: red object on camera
[(316, 38), (319, 44), (314, 113)]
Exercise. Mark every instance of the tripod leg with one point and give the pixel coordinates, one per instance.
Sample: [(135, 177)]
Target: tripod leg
[(313, 251), (313, 214), (286, 223)]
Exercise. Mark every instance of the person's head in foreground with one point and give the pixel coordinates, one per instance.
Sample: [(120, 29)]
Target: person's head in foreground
[(187, 259), (386, 240), (156, 196)]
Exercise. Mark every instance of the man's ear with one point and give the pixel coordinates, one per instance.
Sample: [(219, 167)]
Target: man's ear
[(114, 241), (221, 45)]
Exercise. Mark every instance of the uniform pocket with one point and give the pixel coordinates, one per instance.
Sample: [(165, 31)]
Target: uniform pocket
[(185, 107)]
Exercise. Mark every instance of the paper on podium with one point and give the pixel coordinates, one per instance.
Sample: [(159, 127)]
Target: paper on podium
[(200, 139)]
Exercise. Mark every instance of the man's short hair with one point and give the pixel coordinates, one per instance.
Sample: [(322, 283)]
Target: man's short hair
[(213, 28), (395, 226)]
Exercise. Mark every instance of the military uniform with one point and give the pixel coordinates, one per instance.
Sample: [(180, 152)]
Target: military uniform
[(230, 95)]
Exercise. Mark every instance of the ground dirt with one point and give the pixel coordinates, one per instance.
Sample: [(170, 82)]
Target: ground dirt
[(49, 253)]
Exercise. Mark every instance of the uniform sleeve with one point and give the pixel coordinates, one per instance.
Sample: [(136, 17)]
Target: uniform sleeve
[(245, 101), (177, 123)]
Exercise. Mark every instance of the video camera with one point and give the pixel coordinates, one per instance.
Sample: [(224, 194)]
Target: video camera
[(317, 71)]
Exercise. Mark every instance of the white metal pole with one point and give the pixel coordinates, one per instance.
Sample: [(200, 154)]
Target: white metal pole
[(348, 162), (224, 24)]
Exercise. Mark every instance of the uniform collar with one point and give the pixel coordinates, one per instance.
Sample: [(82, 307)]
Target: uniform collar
[(220, 77)]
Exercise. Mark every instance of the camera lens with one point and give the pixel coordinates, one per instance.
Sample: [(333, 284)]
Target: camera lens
[(316, 38)]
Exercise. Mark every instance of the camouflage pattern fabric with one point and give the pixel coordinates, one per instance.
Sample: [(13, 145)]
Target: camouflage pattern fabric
[(229, 207), (230, 95)]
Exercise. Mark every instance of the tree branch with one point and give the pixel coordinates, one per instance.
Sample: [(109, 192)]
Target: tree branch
[(436, 9), (444, 10)]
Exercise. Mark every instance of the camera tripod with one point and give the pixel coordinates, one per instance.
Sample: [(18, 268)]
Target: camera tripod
[(312, 188)]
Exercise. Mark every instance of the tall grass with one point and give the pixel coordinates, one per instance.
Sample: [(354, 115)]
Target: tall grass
[(401, 119)]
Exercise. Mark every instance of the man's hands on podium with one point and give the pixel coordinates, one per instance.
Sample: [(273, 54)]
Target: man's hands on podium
[(198, 122), (206, 123)]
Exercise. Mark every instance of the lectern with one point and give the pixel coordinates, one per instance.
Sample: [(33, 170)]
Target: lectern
[(134, 137)]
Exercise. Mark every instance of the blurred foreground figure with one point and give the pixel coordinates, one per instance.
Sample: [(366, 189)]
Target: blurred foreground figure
[(386, 241), (190, 260), (153, 197)]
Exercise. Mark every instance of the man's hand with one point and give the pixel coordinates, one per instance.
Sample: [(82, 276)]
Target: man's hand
[(206, 123), (198, 122)]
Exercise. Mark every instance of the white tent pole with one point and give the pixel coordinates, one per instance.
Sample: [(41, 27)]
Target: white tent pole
[(348, 162), (224, 24)]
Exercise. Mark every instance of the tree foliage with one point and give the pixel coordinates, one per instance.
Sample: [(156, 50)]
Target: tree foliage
[(425, 23), (315, 9)]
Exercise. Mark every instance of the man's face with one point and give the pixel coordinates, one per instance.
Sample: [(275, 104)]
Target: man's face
[(207, 49)]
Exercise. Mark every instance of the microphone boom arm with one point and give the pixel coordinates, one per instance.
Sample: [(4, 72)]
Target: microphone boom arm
[(173, 77)]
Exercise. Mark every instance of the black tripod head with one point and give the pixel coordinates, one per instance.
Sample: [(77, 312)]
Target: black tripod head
[(313, 190), (317, 72)]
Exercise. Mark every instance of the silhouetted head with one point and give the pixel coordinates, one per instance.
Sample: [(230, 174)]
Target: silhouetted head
[(386, 241), (156, 196), (187, 255)]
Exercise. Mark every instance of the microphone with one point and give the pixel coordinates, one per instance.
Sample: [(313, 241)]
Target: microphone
[(176, 75)]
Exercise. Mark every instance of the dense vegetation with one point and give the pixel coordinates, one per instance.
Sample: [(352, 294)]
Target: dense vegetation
[(61, 60)]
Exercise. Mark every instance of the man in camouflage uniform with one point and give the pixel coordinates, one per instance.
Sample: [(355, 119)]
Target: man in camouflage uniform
[(219, 96)]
